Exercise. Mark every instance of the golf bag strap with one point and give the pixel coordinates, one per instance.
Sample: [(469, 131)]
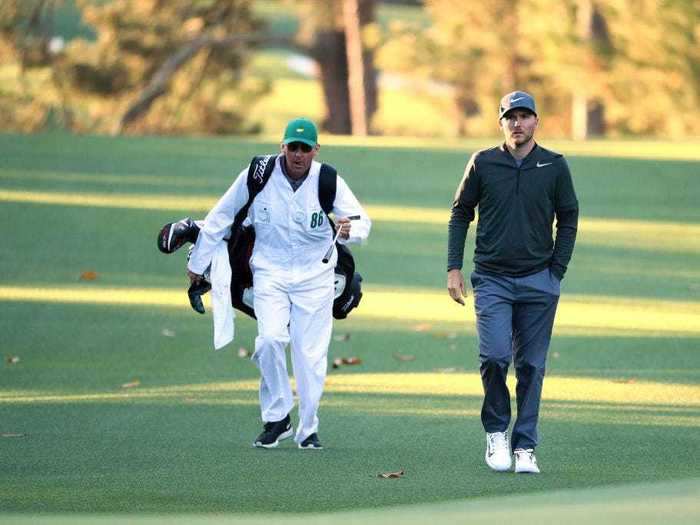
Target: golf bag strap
[(259, 173), (327, 184)]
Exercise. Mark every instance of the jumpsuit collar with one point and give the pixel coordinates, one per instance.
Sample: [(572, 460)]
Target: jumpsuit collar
[(294, 183)]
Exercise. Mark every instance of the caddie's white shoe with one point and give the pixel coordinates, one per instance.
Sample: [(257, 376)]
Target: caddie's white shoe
[(525, 461), (498, 451)]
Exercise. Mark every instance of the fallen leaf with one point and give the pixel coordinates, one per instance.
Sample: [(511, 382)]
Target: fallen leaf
[(391, 475), (243, 352), (132, 384), (422, 327), (166, 332), (339, 361), (555, 355), (12, 435), (341, 337), (445, 335), (12, 359), (88, 276), (403, 357), (453, 346)]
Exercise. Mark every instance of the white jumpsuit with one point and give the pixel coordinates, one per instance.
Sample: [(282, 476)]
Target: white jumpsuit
[(293, 288)]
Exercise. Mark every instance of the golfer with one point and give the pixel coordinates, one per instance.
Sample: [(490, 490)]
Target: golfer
[(293, 288), (519, 189)]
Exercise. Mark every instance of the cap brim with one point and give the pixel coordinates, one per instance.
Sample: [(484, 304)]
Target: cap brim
[(517, 107), (296, 139)]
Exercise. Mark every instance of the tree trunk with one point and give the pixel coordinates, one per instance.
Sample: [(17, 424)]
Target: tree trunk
[(513, 76), (579, 102), (329, 52), (602, 41), (596, 119), (357, 66), (367, 16), (588, 115)]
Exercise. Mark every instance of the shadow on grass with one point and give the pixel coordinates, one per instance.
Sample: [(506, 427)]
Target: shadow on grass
[(191, 452)]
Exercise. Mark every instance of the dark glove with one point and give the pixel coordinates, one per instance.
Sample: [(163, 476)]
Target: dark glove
[(195, 292)]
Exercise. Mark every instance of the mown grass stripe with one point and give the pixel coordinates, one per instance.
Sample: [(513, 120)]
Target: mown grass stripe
[(646, 396), (582, 314), (621, 233)]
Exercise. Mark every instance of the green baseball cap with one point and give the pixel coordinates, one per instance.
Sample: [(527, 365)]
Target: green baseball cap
[(301, 130)]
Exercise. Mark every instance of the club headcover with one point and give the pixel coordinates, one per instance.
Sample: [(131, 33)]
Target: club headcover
[(174, 234)]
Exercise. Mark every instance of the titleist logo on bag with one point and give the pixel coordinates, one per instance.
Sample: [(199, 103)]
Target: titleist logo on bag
[(260, 168)]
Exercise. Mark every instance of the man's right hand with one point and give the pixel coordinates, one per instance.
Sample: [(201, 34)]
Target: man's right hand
[(198, 287), (455, 285), (194, 277)]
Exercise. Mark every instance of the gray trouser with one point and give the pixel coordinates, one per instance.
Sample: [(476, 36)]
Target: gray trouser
[(514, 319)]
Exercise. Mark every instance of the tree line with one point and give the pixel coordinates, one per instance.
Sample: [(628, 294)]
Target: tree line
[(597, 68)]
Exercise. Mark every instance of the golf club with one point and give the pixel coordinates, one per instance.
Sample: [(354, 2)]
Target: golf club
[(327, 257)]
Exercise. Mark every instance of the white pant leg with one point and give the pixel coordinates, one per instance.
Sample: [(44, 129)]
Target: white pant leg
[(272, 308), (311, 325)]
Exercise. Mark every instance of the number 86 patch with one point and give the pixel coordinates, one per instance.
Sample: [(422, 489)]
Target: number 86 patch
[(316, 220)]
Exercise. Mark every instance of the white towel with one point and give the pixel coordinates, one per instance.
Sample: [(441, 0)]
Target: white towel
[(222, 311)]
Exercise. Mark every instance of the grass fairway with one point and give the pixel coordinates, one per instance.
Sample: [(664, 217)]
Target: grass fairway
[(113, 403)]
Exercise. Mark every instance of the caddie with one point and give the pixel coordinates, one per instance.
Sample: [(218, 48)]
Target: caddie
[(519, 189), (293, 286)]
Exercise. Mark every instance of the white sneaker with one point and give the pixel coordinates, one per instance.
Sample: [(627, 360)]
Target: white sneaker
[(498, 451), (525, 461)]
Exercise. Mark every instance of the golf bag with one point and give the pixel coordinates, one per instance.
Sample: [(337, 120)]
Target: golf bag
[(348, 287)]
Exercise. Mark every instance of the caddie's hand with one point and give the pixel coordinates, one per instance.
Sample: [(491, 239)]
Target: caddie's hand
[(455, 285), (343, 225), (194, 277)]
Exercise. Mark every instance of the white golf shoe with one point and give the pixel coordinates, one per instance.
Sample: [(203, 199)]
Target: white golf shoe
[(498, 451), (525, 461)]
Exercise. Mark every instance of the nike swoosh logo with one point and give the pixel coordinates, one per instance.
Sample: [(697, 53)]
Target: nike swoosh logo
[(516, 99), (539, 165)]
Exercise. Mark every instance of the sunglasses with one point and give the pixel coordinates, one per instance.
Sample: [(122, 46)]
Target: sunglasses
[(295, 146)]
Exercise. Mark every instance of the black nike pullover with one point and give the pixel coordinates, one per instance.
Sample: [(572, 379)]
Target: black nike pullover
[(517, 207)]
